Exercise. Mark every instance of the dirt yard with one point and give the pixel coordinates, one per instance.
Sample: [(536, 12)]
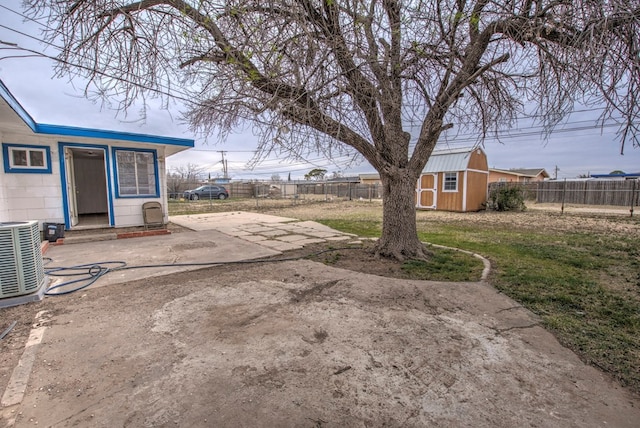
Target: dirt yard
[(302, 344)]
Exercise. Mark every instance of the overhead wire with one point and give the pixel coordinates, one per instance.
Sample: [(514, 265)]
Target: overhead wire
[(181, 96)]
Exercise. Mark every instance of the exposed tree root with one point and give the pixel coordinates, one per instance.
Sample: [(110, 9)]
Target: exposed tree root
[(402, 253)]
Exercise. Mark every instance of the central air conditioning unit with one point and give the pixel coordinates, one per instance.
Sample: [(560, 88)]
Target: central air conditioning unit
[(21, 265)]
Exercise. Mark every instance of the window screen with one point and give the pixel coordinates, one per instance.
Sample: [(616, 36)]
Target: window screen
[(136, 173)]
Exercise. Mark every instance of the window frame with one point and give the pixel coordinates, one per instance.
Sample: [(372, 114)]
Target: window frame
[(9, 168), (445, 182), (116, 173)]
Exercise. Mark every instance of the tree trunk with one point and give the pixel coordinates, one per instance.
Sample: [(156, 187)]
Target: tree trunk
[(399, 237)]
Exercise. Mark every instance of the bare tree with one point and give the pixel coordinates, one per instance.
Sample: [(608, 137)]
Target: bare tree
[(275, 178), (381, 79), (182, 178)]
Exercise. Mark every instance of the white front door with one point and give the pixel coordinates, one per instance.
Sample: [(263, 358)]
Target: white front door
[(71, 186)]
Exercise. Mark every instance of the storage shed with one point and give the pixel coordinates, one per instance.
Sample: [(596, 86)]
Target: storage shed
[(454, 180)]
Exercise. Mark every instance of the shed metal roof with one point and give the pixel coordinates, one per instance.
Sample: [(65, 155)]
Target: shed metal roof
[(449, 160)]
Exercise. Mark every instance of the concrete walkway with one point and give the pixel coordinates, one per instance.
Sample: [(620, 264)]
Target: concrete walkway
[(277, 233), (212, 239), (297, 343)]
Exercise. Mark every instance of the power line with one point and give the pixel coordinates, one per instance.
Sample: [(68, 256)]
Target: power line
[(567, 127), (165, 90)]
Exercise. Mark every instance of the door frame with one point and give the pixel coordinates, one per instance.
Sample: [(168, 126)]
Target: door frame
[(67, 181), (434, 190)]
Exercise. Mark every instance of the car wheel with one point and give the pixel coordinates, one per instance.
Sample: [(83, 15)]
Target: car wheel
[(195, 197), (222, 196)]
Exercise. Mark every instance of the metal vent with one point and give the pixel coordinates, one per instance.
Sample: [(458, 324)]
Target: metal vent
[(21, 265)]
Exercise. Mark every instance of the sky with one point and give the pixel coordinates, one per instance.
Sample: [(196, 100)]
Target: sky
[(575, 148)]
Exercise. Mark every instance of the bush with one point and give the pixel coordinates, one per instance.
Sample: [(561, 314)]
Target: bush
[(506, 198)]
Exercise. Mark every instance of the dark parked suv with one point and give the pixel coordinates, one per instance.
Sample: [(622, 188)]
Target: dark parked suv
[(206, 192)]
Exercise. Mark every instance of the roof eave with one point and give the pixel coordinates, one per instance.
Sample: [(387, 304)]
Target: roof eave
[(17, 107), (71, 131)]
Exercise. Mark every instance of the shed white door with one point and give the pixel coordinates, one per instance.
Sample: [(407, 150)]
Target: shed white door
[(427, 191)]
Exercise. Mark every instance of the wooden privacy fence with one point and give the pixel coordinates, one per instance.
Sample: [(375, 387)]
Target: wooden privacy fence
[(590, 192), (583, 192), (286, 189), (342, 190)]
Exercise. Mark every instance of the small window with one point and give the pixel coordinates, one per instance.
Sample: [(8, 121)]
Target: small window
[(19, 158), (450, 182), (136, 173)]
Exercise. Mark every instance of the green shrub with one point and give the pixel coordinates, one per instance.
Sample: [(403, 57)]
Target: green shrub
[(506, 198)]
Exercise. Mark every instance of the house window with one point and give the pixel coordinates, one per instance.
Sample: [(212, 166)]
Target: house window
[(136, 172), (20, 158), (450, 182)]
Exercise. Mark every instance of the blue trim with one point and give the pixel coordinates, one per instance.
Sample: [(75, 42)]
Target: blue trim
[(72, 131), (15, 106), (63, 179), (155, 171), (632, 175), (26, 170)]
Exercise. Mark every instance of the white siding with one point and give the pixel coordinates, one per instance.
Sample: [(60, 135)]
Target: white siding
[(26, 197)]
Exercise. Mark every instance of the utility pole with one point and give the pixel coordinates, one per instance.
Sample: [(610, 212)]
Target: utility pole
[(555, 177), (224, 165)]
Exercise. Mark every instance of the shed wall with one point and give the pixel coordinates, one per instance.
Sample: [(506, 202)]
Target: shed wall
[(472, 178), (476, 190), (478, 161), (450, 201)]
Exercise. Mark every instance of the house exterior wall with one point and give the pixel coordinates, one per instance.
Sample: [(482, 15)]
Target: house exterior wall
[(496, 176), (55, 174), (503, 176), (39, 196), (31, 196), (371, 181), (128, 211)]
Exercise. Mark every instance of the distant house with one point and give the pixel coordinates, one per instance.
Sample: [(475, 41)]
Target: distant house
[(370, 178), (348, 179), (621, 176), (517, 175), (79, 177), (454, 180)]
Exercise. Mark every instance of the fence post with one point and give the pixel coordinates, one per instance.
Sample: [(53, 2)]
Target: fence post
[(256, 194), (564, 188), (633, 195)]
